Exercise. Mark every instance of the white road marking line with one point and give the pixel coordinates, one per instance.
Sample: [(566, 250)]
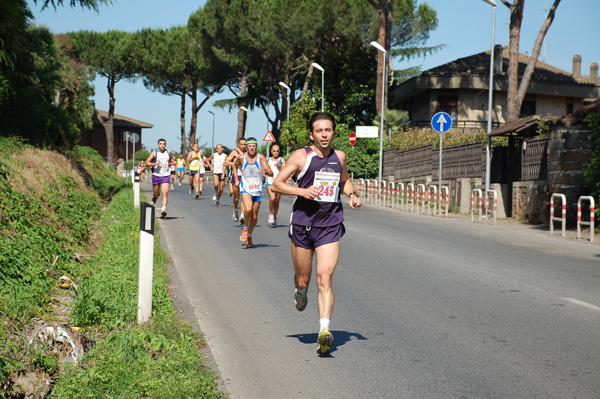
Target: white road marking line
[(581, 303)]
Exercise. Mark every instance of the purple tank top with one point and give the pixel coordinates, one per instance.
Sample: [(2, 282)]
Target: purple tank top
[(318, 213)]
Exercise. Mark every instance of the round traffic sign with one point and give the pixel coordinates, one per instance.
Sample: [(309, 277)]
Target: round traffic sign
[(352, 138), (441, 122)]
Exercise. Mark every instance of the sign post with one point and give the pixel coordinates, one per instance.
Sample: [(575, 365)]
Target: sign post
[(146, 260), (352, 140), (269, 138), (441, 123)]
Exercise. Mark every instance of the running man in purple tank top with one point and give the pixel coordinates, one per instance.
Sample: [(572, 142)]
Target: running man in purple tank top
[(316, 224)]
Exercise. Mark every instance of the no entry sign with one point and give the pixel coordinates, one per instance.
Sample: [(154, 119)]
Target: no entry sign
[(352, 138)]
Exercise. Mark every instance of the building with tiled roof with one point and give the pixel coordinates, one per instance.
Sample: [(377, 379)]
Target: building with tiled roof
[(460, 88), (96, 138)]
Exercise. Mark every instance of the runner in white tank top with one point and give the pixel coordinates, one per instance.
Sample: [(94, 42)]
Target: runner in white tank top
[(161, 175), (240, 149), (218, 163), (254, 167), (275, 163)]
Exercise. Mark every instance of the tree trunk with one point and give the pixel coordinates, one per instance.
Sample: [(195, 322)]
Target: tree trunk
[(195, 108), (518, 89), (537, 47), (385, 18), (308, 78), (108, 124), (182, 119), (516, 17), (242, 117)]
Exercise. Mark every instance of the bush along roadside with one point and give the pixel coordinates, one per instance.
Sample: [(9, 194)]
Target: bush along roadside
[(68, 288)]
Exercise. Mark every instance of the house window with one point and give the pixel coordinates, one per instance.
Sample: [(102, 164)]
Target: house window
[(569, 106), (449, 105), (527, 108)]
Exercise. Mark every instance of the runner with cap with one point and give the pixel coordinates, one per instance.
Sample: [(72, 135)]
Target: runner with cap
[(253, 168)]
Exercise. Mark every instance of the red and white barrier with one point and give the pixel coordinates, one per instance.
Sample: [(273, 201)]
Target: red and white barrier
[(410, 191), (421, 198), (400, 197), (479, 204), (494, 195), (444, 200), (432, 193), (591, 221), (562, 219)]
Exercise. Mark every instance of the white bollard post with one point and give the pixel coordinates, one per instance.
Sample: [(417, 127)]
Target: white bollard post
[(136, 190), (145, 263)]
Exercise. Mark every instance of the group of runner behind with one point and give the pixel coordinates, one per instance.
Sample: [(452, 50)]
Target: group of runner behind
[(316, 224)]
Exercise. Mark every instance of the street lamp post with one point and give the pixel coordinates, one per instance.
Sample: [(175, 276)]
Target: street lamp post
[(383, 54), (320, 68), (213, 133), (288, 111), (490, 92)]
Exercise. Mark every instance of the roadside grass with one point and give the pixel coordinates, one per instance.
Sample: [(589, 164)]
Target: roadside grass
[(160, 359), (56, 221)]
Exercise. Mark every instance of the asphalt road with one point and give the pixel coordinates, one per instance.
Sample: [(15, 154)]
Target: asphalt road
[(425, 307)]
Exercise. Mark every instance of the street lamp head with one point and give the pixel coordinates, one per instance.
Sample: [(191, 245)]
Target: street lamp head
[(491, 2), (244, 109), (210, 112), (263, 97), (379, 47), (284, 86), (319, 67)]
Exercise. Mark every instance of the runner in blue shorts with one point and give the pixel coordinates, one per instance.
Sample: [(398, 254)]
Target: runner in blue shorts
[(253, 167), (317, 216)]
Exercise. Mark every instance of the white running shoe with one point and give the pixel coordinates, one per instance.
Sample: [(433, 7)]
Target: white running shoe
[(179, 183), (190, 190), (271, 220), (242, 219), (163, 213), (236, 215), (214, 198)]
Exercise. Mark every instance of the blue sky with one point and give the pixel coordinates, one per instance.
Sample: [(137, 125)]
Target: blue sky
[(465, 27)]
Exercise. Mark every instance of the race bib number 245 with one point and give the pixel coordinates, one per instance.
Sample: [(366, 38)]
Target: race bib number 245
[(329, 186)]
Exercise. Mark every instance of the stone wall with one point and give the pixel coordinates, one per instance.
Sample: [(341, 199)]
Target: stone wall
[(569, 149)]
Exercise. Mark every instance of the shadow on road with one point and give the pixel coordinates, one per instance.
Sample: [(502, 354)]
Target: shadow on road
[(340, 337)]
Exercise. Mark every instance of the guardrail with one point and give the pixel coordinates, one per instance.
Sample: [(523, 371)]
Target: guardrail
[(562, 219), (588, 223), (478, 192)]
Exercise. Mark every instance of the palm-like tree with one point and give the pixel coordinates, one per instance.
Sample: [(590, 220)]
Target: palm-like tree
[(393, 119)]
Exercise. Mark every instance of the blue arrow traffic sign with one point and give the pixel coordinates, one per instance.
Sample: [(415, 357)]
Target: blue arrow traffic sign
[(441, 122)]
